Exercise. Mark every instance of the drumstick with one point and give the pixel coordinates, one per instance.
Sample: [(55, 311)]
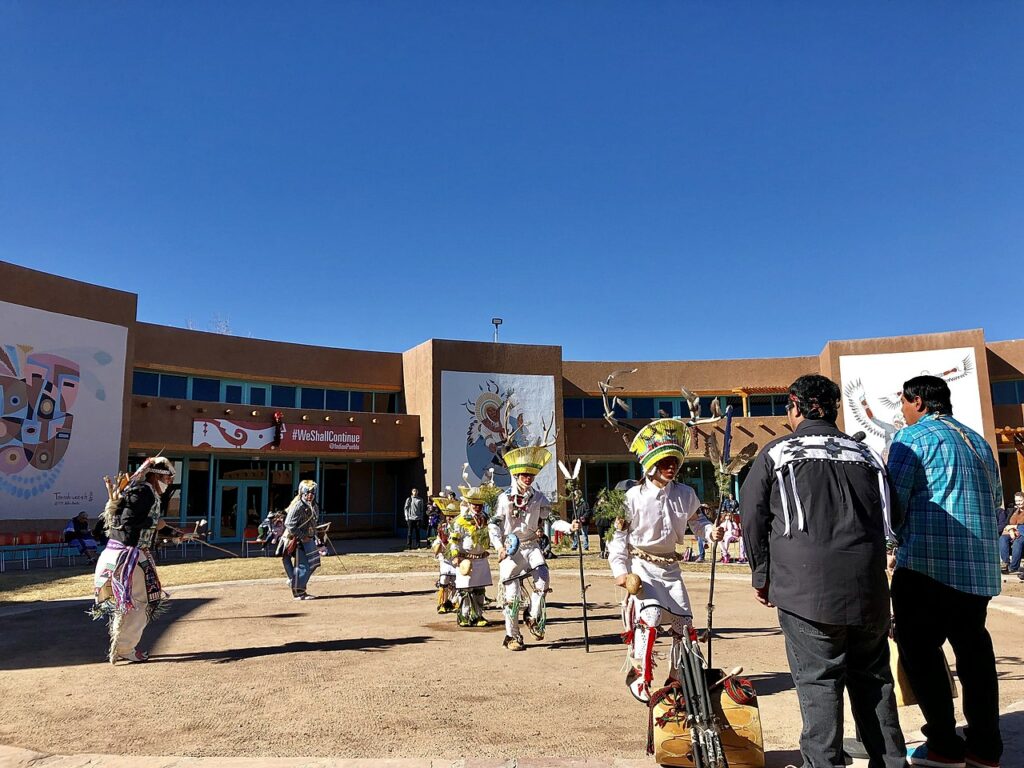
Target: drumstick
[(732, 673)]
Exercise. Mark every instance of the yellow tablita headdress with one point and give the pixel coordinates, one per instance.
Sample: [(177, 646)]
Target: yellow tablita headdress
[(473, 494), (659, 439), (528, 460), (448, 507)]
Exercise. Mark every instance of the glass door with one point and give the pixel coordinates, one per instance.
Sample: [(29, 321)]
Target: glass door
[(240, 506), (225, 526)]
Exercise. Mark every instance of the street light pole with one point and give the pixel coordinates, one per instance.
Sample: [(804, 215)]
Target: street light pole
[(495, 321)]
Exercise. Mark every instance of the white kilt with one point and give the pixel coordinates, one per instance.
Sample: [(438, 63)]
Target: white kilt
[(104, 565), (445, 568), (526, 559), (479, 576), (663, 587)]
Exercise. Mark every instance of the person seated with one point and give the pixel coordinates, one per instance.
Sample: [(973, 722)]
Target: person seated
[(733, 532), (270, 530), (78, 535), (1011, 538)]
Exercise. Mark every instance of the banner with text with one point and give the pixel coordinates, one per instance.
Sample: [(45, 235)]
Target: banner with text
[(224, 433)]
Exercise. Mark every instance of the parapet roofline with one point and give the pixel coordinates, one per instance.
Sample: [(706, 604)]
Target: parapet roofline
[(51, 276), (259, 340)]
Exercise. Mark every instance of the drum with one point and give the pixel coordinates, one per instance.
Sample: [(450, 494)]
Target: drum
[(740, 723)]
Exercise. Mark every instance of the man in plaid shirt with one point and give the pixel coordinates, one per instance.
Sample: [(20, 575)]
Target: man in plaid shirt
[(946, 483)]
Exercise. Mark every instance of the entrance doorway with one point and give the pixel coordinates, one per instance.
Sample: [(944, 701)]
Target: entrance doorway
[(239, 504)]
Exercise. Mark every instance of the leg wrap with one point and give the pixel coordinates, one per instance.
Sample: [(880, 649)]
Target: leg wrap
[(512, 606), (641, 671), (476, 599), (538, 613), (462, 617)]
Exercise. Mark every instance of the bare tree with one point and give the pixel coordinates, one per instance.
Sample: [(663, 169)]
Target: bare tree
[(217, 324)]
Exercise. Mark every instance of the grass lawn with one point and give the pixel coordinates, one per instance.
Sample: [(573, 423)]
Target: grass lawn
[(59, 583)]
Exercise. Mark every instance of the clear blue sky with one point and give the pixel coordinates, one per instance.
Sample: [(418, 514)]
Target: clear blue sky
[(659, 180)]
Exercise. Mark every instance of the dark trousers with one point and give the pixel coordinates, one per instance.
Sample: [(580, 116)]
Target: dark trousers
[(825, 659), (927, 613), (413, 529)]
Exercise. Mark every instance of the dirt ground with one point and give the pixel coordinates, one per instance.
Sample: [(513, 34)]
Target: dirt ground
[(369, 670)]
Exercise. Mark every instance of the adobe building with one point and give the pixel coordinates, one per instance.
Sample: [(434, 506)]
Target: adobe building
[(89, 389)]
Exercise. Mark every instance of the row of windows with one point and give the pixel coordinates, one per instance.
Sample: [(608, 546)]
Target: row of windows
[(212, 390), (1008, 392), (675, 407), (251, 393)]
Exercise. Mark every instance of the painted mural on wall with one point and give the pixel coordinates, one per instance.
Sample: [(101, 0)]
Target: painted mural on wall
[(480, 411), (61, 389), (872, 385)]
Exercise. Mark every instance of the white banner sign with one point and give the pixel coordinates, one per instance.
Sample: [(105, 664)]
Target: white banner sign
[(872, 385), (472, 405)]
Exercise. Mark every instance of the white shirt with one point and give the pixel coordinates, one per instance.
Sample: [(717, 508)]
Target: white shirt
[(658, 521), (524, 524)]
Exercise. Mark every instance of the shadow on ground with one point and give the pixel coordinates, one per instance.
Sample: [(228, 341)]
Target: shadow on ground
[(71, 637), (772, 682), (227, 655), (410, 593), (782, 758)]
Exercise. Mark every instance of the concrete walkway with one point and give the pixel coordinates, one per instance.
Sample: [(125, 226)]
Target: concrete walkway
[(12, 757)]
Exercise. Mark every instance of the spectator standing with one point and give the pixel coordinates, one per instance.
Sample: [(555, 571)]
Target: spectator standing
[(705, 517), (1011, 538), (814, 519), (604, 525), (947, 569), (434, 517), (583, 510), (414, 509)]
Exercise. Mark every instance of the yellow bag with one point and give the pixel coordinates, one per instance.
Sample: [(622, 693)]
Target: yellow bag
[(904, 693)]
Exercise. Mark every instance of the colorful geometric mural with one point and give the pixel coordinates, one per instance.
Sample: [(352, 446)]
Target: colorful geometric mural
[(47, 389), (37, 392)]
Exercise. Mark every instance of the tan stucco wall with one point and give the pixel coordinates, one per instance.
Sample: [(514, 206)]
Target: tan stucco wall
[(418, 376), (197, 352), (699, 376), (439, 355), (417, 373), (1006, 359)]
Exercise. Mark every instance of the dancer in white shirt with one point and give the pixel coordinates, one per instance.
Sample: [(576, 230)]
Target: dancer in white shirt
[(517, 520), (658, 512)]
